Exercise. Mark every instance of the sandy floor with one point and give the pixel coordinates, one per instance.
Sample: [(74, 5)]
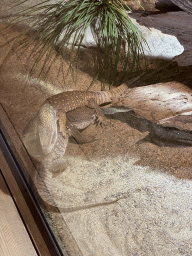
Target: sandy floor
[(151, 185)]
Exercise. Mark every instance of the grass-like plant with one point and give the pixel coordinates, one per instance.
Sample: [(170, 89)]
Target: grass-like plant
[(62, 26)]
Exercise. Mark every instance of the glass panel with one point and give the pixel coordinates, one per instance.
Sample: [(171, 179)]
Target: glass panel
[(126, 192)]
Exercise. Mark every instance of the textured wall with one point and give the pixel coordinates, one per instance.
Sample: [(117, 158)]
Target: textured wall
[(148, 5)]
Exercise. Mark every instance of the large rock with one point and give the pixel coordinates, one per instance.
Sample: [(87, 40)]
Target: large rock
[(159, 43), (177, 24), (185, 5)]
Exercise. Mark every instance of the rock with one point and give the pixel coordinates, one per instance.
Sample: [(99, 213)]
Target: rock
[(177, 24), (185, 5), (159, 44), (164, 4), (149, 5)]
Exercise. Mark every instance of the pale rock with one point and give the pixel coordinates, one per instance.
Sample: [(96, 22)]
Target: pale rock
[(176, 24)]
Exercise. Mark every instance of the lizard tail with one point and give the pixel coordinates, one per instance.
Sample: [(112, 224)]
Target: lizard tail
[(124, 87), (118, 91)]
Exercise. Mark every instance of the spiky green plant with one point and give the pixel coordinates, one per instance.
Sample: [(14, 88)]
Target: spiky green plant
[(63, 25)]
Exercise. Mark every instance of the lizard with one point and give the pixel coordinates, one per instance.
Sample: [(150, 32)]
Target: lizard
[(46, 135), (40, 134)]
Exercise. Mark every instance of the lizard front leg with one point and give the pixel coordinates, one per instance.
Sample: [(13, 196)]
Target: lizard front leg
[(68, 129), (80, 119), (78, 136), (101, 119)]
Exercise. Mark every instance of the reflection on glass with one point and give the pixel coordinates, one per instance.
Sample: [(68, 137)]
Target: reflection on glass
[(121, 188)]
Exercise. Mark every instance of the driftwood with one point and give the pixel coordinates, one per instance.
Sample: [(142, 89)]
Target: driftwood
[(168, 104)]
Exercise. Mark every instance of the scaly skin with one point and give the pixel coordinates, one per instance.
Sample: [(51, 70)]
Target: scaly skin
[(71, 100), (67, 101)]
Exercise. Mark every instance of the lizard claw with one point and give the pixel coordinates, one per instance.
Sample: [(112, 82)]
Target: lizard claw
[(103, 121), (69, 128)]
